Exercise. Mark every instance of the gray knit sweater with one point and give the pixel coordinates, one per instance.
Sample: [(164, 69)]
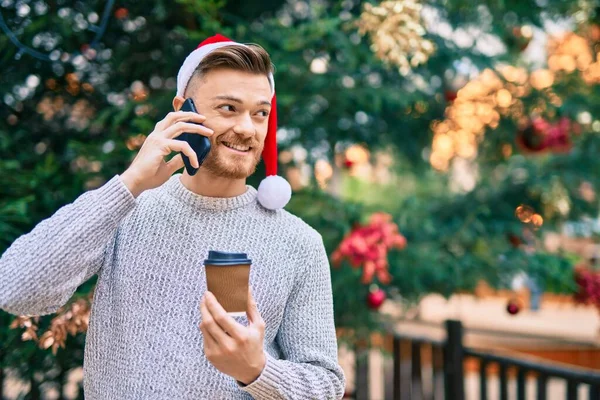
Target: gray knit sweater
[(143, 340)]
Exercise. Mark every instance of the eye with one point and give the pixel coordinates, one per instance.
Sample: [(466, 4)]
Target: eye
[(263, 113), (227, 107)]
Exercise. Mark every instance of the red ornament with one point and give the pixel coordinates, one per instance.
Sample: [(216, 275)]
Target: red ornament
[(588, 285), (514, 240), (531, 139), (121, 13), (513, 307), (541, 135), (450, 95), (375, 299)]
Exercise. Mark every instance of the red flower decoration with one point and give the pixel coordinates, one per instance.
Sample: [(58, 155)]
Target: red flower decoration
[(541, 136), (367, 247)]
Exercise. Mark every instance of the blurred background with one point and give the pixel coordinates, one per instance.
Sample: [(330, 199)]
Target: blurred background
[(447, 151)]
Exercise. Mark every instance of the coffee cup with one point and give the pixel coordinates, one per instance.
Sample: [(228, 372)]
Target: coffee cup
[(227, 277)]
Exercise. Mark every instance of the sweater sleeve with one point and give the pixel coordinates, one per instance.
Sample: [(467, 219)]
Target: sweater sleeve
[(41, 270), (309, 367)]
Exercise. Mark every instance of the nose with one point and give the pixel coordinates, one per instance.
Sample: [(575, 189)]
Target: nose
[(245, 126)]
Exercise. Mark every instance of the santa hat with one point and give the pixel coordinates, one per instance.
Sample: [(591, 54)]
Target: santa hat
[(274, 192)]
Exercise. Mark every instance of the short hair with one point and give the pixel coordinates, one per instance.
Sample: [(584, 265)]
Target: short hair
[(250, 58)]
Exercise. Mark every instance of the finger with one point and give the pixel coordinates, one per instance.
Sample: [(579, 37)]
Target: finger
[(176, 116), (180, 127), (205, 314), (209, 341), (211, 327), (252, 312), (185, 148), (175, 163), (225, 322)]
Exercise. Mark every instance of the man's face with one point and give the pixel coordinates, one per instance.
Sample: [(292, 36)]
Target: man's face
[(236, 106)]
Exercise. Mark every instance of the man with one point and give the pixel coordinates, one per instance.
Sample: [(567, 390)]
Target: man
[(146, 233)]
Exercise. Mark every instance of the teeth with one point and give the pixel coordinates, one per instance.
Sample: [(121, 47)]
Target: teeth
[(236, 147)]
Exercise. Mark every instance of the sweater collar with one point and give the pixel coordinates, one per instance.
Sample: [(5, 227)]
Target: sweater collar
[(175, 188)]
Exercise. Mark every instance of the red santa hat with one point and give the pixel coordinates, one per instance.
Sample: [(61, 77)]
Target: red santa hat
[(274, 192)]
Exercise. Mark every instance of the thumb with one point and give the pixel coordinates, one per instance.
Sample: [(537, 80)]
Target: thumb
[(175, 163), (252, 311)]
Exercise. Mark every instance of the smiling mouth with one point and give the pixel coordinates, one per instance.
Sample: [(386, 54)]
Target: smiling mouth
[(237, 147)]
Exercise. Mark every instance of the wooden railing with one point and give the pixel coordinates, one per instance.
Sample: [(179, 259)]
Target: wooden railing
[(446, 371)]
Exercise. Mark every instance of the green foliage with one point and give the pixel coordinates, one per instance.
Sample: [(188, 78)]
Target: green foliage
[(47, 157)]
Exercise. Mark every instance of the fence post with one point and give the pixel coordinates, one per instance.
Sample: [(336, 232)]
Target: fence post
[(397, 394), (1, 373), (362, 372), (453, 361)]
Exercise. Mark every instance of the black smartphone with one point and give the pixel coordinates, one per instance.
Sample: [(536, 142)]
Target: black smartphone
[(200, 144)]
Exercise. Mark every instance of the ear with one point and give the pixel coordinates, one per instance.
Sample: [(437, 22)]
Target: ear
[(178, 102)]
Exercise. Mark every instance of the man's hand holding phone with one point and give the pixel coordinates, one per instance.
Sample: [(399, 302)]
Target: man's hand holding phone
[(149, 168)]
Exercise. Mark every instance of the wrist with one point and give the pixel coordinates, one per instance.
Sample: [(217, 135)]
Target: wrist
[(256, 371), (131, 183)]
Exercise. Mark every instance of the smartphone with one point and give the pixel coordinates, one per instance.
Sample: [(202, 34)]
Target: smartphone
[(200, 144)]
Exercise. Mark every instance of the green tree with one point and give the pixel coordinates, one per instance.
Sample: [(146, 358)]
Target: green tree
[(74, 115)]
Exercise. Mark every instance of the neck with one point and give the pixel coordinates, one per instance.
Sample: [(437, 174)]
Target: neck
[(206, 184)]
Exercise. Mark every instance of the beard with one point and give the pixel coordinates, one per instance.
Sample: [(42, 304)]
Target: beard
[(222, 163)]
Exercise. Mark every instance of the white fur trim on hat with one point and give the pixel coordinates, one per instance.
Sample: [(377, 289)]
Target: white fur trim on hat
[(274, 192), (195, 57)]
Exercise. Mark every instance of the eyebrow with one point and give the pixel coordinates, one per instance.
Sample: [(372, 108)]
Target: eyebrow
[(239, 101)]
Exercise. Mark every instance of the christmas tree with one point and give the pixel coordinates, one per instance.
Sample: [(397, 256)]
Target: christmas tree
[(433, 144)]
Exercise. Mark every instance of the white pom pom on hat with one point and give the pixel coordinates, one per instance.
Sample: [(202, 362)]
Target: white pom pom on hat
[(274, 192)]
